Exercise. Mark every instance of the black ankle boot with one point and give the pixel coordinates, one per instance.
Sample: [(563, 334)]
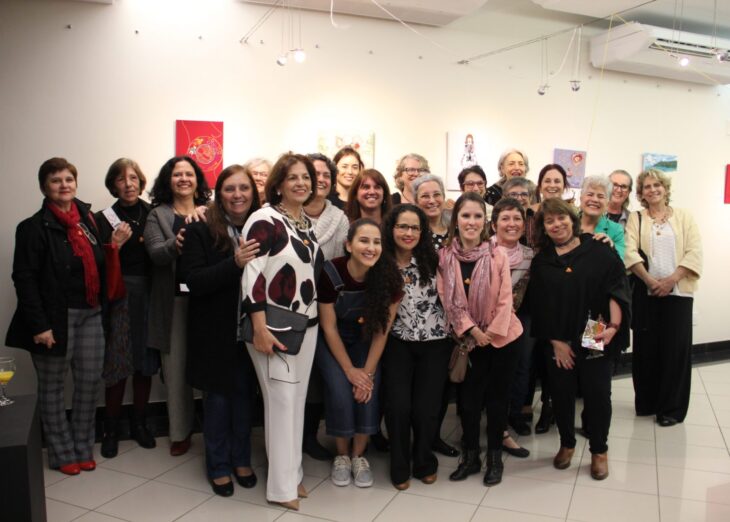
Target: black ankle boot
[(546, 418), (110, 441), (495, 467), (139, 433), (470, 464)]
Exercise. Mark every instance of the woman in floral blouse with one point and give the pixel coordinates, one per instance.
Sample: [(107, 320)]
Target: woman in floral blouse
[(283, 276), (418, 350)]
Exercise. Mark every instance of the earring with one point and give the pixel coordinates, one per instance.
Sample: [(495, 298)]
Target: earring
[(278, 193)]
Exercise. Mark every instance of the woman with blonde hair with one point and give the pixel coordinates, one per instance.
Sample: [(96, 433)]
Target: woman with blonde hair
[(664, 252)]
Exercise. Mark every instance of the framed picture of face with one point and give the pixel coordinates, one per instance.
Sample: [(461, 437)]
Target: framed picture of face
[(574, 163), (466, 148)]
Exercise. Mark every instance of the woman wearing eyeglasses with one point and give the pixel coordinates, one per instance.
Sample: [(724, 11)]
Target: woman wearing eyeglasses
[(408, 168), (58, 271), (473, 179), (418, 350), (258, 169)]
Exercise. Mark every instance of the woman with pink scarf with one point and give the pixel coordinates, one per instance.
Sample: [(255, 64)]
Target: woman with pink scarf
[(476, 290)]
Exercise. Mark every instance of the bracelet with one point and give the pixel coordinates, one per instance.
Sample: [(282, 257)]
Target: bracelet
[(372, 376)]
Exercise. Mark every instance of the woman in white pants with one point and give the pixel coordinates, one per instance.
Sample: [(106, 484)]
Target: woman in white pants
[(280, 280)]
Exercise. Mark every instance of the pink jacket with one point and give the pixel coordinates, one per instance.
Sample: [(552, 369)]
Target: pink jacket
[(501, 319)]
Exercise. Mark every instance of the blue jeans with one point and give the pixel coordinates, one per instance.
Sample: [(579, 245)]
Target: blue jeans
[(227, 424), (343, 416)]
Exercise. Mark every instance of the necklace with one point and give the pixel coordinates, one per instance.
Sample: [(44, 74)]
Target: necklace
[(136, 220), (302, 223), (659, 222), (319, 213), (561, 245)]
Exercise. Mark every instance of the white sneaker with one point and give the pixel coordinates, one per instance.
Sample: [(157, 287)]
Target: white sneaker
[(341, 470), (361, 472)]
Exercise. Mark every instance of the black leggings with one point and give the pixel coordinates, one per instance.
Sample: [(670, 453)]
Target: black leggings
[(488, 379)]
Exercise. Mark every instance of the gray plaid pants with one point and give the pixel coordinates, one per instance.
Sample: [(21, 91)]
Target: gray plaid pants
[(72, 442)]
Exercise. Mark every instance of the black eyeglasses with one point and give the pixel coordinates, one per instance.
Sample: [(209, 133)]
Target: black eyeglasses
[(404, 227)]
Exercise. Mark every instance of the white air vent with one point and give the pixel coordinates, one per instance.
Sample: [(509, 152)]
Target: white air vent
[(655, 51), (426, 12)]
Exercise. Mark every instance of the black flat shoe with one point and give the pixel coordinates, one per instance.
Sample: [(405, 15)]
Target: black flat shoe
[(665, 421), (520, 426), (439, 446), (141, 434), (222, 490), (246, 481), (520, 453), (110, 441)]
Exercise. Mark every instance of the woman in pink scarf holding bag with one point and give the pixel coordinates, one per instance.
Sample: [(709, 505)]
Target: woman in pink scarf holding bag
[(475, 287)]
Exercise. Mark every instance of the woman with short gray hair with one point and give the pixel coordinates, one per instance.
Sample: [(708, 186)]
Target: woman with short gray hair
[(594, 195), (429, 193)]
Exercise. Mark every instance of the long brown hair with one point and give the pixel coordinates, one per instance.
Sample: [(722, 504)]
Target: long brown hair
[(352, 208), (217, 221)]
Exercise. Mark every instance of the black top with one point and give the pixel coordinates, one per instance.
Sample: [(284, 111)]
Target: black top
[(133, 255), (467, 267), (614, 217), (494, 194), (569, 289), (214, 281), (43, 277), (336, 201)]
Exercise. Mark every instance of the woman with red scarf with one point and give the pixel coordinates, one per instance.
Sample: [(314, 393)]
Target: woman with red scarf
[(58, 271), (475, 287)]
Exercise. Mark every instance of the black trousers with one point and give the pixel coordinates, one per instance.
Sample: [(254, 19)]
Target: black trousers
[(539, 370), (661, 363), (521, 380), (594, 378), (415, 376), (487, 380)]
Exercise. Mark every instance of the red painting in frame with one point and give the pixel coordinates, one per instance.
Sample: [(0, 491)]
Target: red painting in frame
[(202, 141)]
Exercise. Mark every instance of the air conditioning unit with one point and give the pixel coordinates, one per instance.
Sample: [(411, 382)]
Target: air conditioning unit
[(654, 51), (427, 12)]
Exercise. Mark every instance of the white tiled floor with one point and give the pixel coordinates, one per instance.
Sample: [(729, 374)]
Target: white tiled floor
[(680, 474)]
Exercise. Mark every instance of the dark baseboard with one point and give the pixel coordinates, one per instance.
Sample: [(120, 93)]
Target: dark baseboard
[(701, 354)]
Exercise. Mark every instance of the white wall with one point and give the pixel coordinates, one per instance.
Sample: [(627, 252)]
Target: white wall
[(98, 91)]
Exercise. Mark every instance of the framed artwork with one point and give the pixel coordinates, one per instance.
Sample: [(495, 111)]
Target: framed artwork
[(574, 163), (202, 141), (465, 148), (727, 184), (328, 143), (663, 162)]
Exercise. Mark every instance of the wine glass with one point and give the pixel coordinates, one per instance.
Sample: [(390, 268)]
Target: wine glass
[(7, 370)]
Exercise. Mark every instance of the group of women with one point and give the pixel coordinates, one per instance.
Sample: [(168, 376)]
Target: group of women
[(309, 279)]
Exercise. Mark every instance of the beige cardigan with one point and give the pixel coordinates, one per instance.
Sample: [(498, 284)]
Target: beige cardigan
[(688, 244)]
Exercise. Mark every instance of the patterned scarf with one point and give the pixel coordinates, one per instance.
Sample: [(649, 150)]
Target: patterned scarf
[(456, 303), (80, 239)]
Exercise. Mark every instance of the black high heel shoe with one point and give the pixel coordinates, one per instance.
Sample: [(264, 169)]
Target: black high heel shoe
[(547, 418)]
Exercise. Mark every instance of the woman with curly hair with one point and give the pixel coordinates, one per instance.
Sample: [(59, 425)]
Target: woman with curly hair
[(418, 350), (369, 197), (664, 251), (358, 298), (179, 187)]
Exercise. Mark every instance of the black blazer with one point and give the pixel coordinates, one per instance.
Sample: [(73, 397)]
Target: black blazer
[(41, 271), (214, 281)]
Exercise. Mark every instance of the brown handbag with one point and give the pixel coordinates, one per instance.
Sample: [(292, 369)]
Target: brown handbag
[(459, 362)]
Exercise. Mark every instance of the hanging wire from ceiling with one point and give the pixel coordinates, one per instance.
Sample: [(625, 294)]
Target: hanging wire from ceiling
[(261, 21)]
